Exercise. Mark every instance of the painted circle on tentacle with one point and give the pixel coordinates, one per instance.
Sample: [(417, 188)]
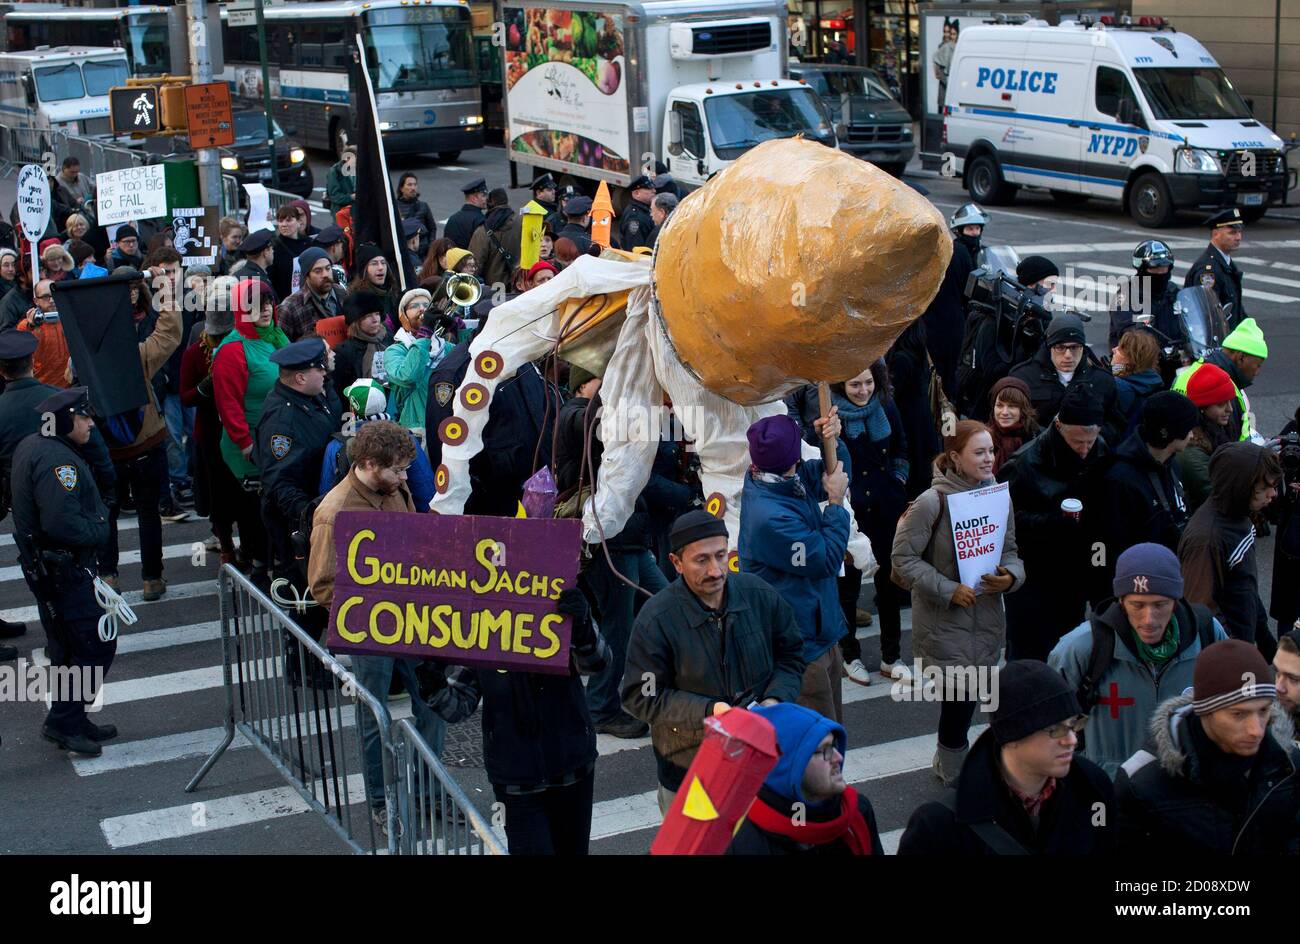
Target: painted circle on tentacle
[(716, 505), (441, 479), (489, 364), (473, 396), (733, 562), (452, 431)]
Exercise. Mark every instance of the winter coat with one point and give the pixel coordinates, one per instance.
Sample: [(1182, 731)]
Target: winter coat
[(1068, 824), (287, 251), (419, 210), (1046, 390), (358, 357), (1217, 550), (1194, 465), (1239, 421), (242, 376), (14, 306), (1130, 690), (1055, 549), (909, 373), (495, 246), (1006, 442), (1173, 802), (945, 318), (924, 559), (297, 315), (408, 365), (340, 188), (748, 651), (750, 840), (1160, 307), (877, 494), (798, 548), (155, 348), (1131, 391), (460, 226), (1227, 281)]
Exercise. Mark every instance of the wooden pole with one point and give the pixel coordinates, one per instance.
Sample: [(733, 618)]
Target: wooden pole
[(829, 459)]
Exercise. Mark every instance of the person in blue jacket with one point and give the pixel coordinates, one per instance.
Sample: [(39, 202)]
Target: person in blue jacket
[(366, 400), (788, 540)]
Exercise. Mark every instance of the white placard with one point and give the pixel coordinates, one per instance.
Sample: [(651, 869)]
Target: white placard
[(33, 208), (979, 529), (136, 193), (259, 207)]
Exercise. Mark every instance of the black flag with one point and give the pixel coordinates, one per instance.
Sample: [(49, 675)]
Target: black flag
[(101, 334), (374, 219)]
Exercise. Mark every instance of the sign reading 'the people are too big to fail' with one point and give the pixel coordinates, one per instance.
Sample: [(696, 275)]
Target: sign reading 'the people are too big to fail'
[(464, 589)]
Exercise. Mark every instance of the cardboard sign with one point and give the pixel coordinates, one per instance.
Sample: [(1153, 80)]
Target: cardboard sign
[(135, 193), (465, 589), (979, 529), (33, 207), (333, 331), (209, 116), (195, 236)]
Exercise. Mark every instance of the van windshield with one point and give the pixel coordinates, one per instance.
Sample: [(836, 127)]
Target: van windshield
[(1190, 94), (59, 83), (739, 122), (104, 75)]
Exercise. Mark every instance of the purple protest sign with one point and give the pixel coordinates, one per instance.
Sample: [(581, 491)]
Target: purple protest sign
[(462, 588)]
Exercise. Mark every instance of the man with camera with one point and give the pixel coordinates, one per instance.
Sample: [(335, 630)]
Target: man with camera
[(50, 360)]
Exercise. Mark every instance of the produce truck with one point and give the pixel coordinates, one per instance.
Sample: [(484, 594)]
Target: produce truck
[(602, 90)]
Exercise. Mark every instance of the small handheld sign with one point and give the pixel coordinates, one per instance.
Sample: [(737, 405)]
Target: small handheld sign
[(33, 209)]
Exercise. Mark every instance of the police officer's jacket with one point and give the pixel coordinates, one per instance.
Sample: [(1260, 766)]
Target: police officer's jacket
[(291, 439), (635, 227), (1227, 282), (55, 499)]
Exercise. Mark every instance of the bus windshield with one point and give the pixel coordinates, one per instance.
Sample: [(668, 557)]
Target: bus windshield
[(148, 45), (1190, 93), (104, 75), (422, 48), (59, 83), (739, 122)]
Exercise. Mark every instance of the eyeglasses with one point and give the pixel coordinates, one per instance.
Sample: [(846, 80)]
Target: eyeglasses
[(44, 298), (828, 753), (1075, 724)]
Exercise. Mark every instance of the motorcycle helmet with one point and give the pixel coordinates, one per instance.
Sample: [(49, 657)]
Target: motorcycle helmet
[(1150, 253), (968, 214)]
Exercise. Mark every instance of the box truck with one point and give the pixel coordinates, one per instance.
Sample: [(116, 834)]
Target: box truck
[(600, 90)]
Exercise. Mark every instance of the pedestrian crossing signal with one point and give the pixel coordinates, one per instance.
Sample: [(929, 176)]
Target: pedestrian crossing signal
[(134, 110)]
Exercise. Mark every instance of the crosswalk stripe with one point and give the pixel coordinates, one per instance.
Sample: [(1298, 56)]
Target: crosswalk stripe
[(1181, 274), (169, 552), (123, 524), (1284, 266), (170, 683), (154, 639), (135, 598)]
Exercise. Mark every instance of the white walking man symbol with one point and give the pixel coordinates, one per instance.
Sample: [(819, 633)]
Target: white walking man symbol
[(142, 107)]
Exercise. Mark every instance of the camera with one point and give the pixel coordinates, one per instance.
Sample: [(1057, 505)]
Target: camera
[(1288, 453), (44, 317), (995, 291)]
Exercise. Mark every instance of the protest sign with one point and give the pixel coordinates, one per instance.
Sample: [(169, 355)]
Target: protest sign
[(979, 528), (135, 193), (195, 235), (259, 207), (33, 208), (466, 589)]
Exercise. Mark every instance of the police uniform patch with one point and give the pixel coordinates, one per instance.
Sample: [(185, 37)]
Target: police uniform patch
[(280, 445), (634, 227), (442, 392), (67, 475)]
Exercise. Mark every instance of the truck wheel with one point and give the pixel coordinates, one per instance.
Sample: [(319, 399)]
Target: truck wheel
[(984, 182), (1149, 202), (1067, 199), (1253, 214), (448, 157)]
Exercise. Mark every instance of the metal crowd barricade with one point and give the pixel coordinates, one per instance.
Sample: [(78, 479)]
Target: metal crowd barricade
[(20, 145), (301, 728), (436, 816)]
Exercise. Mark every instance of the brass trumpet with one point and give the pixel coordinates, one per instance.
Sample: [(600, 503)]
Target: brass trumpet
[(464, 290)]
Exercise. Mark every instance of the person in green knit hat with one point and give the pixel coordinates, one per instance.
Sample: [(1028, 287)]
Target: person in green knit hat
[(243, 374), (1241, 357)]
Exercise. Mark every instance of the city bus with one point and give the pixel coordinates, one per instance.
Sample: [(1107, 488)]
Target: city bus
[(140, 31), (421, 59)]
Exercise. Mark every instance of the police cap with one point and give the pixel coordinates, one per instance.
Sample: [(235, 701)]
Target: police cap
[(329, 235), (73, 400), (642, 182), (15, 344), (255, 242), (1228, 217), (413, 227), (544, 182), (309, 352), (477, 185), (577, 206)]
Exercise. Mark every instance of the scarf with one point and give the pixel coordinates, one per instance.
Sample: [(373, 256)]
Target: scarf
[(848, 826), (272, 334), (870, 418), (1033, 803), (1162, 651), (208, 345)]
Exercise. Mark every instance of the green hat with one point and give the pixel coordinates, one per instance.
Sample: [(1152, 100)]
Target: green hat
[(1247, 339)]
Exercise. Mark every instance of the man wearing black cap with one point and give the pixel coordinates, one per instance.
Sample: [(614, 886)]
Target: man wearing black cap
[(635, 223), (333, 241), (318, 298), (411, 207), (126, 248), (1219, 774), (1061, 463), (413, 232), (496, 243), (1022, 790), (259, 255), (1140, 494), (301, 414), (544, 190), (577, 217), (1216, 267), (462, 224), (708, 642), (60, 521), (1064, 361)]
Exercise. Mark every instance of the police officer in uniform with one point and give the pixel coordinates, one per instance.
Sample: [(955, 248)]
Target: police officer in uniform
[(577, 215), (1226, 229), (301, 414), (1150, 292), (60, 522), (544, 189), (461, 225), (257, 261), (636, 224)]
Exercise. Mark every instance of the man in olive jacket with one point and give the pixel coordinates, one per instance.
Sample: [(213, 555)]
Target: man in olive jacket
[(709, 641)]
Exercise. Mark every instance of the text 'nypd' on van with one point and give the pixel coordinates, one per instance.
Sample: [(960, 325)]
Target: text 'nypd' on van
[(1141, 115)]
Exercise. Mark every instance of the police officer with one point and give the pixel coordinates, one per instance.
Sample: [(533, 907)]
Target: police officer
[(259, 256), (945, 316), (1149, 295), (1216, 267), (577, 216), (414, 233), (460, 227), (300, 415), (544, 190), (60, 522), (636, 224)]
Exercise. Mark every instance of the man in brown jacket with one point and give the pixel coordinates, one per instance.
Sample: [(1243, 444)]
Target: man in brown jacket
[(380, 454), (495, 245)]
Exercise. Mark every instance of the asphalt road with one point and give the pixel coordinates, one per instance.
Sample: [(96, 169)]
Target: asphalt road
[(166, 694)]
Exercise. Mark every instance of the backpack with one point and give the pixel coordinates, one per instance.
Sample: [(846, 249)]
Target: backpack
[(1103, 653)]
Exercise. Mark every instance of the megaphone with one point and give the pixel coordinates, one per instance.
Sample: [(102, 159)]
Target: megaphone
[(464, 290)]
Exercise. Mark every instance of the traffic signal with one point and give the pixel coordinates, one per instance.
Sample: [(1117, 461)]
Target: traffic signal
[(172, 108), (134, 110)]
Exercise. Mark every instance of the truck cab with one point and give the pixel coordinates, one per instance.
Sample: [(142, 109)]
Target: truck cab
[(709, 125), (62, 88)]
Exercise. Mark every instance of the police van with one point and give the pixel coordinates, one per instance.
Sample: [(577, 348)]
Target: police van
[(1141, 115), (63, 88)]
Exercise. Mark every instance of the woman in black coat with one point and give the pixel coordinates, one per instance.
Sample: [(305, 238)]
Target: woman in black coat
[(909, 375)]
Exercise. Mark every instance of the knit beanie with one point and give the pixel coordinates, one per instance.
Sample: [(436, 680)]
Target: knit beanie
[(1081, 407), (1167, 416), (578, 376), (774, 443), (1248, 339), (1227, 672), (1014, 383), (1148, 568), (798, 732), (1031, 696), (695, 525), (1065, 328), (366, 396), (1209, 385), (455, 257), (309, 257), (1034, 269), (365, 253), (411, 296)]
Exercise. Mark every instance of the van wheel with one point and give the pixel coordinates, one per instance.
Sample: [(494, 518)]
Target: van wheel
[(1066, 199), (1253, 214), (1149, 202), (985, 184)]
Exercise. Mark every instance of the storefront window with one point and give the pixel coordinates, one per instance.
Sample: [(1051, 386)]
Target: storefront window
[(827, 31)]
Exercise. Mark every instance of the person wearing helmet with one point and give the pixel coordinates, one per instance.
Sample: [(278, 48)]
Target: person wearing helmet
[(945, 318), (1148, 297)]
